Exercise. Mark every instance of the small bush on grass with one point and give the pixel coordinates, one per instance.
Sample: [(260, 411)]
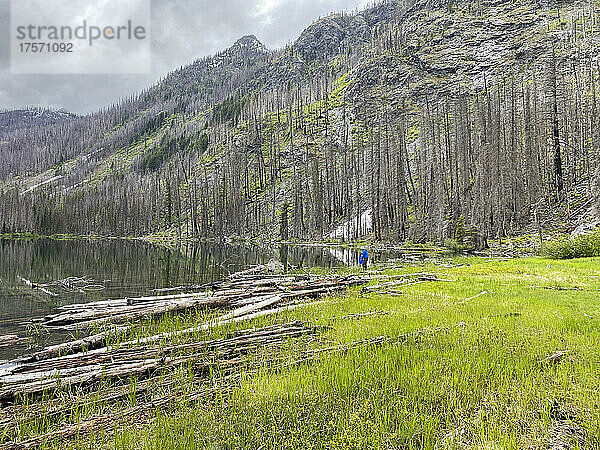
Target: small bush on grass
[(456, 247), (584, 246), (464, 239)]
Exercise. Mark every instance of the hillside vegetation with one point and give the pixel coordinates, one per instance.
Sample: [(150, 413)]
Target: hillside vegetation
[(425, 114)]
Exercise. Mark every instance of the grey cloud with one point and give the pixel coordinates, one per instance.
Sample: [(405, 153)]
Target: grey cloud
[(182, 31), (4, 37)]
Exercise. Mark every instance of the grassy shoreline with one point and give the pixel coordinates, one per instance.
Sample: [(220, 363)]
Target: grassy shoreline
[(472, 370), (468, 363)]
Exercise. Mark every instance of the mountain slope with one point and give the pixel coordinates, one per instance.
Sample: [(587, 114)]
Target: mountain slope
[(28, 118), (440, 119)]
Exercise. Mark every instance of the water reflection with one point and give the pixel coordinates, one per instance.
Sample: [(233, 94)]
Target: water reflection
[(283, 256), (128, 269), (346, 256), (124, 268)]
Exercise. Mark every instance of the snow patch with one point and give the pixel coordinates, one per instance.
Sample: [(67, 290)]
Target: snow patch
[(43, 183), (356, 227), (585, 229)]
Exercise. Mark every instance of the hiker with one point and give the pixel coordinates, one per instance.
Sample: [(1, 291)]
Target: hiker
[(364, 259)]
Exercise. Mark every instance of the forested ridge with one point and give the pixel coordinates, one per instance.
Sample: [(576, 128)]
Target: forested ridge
[(431, 118)]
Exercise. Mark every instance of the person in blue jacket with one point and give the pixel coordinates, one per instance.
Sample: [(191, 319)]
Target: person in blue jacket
[(364, 258)]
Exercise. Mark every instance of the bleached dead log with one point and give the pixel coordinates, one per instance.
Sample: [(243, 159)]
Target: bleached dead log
[(231, 294), (472, 298), (68, 348), (90, 368), (120, 311), (33, 285), (10, 340), (273, 267)]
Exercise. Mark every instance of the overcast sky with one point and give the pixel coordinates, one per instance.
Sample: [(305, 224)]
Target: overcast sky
[(182, 31)]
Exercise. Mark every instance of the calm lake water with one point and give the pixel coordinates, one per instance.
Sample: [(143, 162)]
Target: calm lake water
[(125, 269)]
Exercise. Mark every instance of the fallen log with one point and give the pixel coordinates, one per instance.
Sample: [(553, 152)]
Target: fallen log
[(211, 324), (87, 369), (81, 345), (231, 294), (273, 267), (36, 286), (472, 298), (10, 340)]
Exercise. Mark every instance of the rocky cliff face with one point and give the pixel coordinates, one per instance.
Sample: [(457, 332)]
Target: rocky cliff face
[(438, 50), (327, 39), (214, 78), (337, 33)]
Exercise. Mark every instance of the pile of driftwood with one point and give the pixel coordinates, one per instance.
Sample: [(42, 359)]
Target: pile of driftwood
[(60, 381), (141, 399), (139, 374), (245, 289), (245, 295), (70, 284), (141, 361)]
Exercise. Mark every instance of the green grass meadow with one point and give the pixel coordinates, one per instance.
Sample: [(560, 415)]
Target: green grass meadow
[(465, 367)]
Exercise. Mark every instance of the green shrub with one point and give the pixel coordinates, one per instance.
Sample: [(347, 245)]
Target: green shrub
[(456, 247), (459, 231), (584, 246), (465, 240)]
